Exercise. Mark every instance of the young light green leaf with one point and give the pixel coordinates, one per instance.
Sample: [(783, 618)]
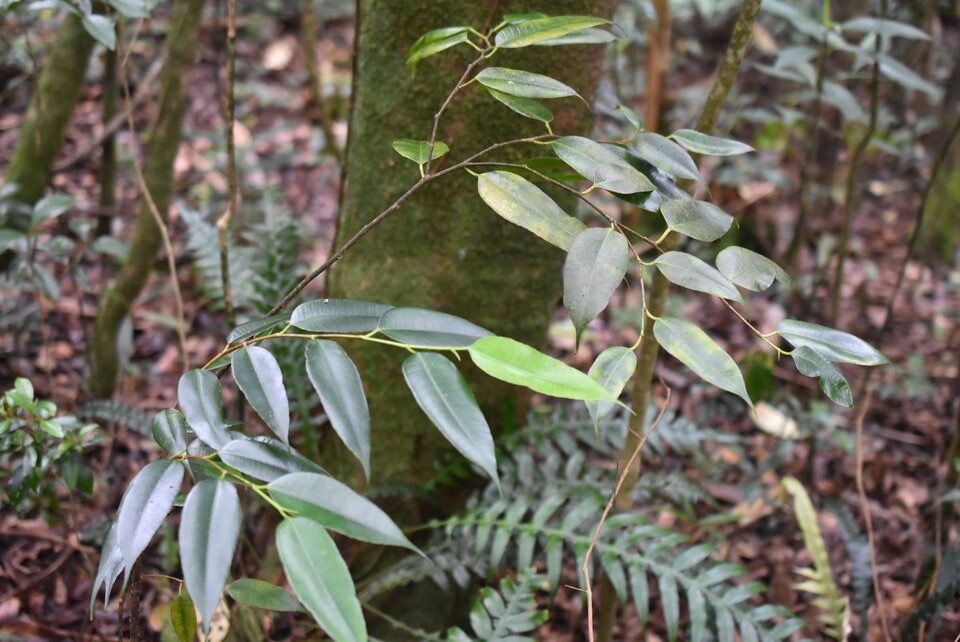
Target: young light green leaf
[(523, 106), (337, 507), (169, 430), (145, 505), (209, 529), (338, 315), (111, 564), (662, 152), (750, 270), (525, 84), (833, 384), (612, 369), (337, 382), (522, 203), (183, 617), (695, 349), (199, 396), (595, 266), (265, 458), (690, 272), (885, 27), (429, 328), (433, 42), (517, 363), (540, 31), (443, 395), (697, 219), (419, 150), (262, 595), (601, 164), (832, 344), (700, 143), (320, 578), (256, 327), (258, 376)]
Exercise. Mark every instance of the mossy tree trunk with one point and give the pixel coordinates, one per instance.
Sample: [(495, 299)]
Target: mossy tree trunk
[(445, 249), (118, 300)]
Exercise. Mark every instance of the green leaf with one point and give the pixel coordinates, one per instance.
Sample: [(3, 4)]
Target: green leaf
[(131, 8), (337, 507), (612, 369), (101, 28), (522, 203), (695, 349), (884, 27), (433, 42), (750, 270), (595, 266), (338, 315), (111, 564), (631, 117), (600, 164), (517, 363), (52, 428), (523, 106), (833, 384), (337, 382), (590, 36), (514, 18), (169, 430), (443, 395), (662, 152), (690, 272), (525, 84), (183, 617), (429, 328), (257, 327), (258, 376), (906, 77), (320, 578), (540, 31), (263, 595), (670, 603), (49, 207), (419, 150), (265, 458), (832, 344), (209, 528), (700, 143), (198, 394), (697, 219), (145, 505)]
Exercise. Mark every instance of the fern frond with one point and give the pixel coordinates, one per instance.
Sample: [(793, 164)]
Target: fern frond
[(126, 415), (820, 581), (503, 615), (858, 552)]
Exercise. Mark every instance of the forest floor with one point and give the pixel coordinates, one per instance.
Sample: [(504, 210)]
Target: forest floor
[(907, 411)]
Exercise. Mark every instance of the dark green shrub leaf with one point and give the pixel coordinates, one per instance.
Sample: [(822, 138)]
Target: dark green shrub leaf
[(523, 106), (884, 27), (338, 315), (750, 270), (522, 203), (199, 396), (429, 328), (320, 578), (600, 164), (700, 143), (631, 117), (590, 36), (695, 349), (523, 83), (443, 395), (101, 28), (832, 382), (517, 363), (690, 272), (183, 617), (337, 382), (169, 430), (258, 376), (595, 266), (539, 31), (257, 327), (337, 507), (433, 42), (48, 208), (208, 536), (265, 458), (145, 505), (419, 150), (832, 344), (662, 152), (697, 219), (263, 595), (612, 369)]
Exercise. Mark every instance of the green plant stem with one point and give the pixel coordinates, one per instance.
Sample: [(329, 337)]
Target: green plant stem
[(226, 219)]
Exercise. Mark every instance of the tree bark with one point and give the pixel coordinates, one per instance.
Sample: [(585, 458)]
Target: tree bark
[(445, 249), (118, 300)]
